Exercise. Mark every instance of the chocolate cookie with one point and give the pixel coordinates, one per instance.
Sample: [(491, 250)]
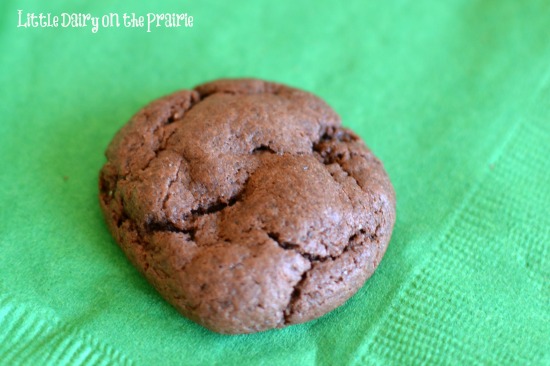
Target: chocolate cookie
[(246, 204)]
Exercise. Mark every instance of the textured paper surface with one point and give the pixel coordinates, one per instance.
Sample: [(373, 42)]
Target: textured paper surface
[(453, 96)]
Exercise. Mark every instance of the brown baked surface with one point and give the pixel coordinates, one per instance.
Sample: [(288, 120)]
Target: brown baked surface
[(246, 204)]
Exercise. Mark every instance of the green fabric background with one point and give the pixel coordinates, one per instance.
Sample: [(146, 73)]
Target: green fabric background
[(453, 96)]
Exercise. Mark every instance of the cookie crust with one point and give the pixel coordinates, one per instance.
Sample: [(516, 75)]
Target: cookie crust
[(246, 204)]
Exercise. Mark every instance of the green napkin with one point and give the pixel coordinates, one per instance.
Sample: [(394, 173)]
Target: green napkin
[(453, 96)]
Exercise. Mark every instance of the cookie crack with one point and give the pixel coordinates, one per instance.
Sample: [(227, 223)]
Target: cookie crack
[(160, 148), (342, 186), (297, 288), (217, 206), (263, 148), (171, 181), (194, 215), (296, 248), (313, 258), (328, 157), (172, 117), (166, 226), (294, 297)]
